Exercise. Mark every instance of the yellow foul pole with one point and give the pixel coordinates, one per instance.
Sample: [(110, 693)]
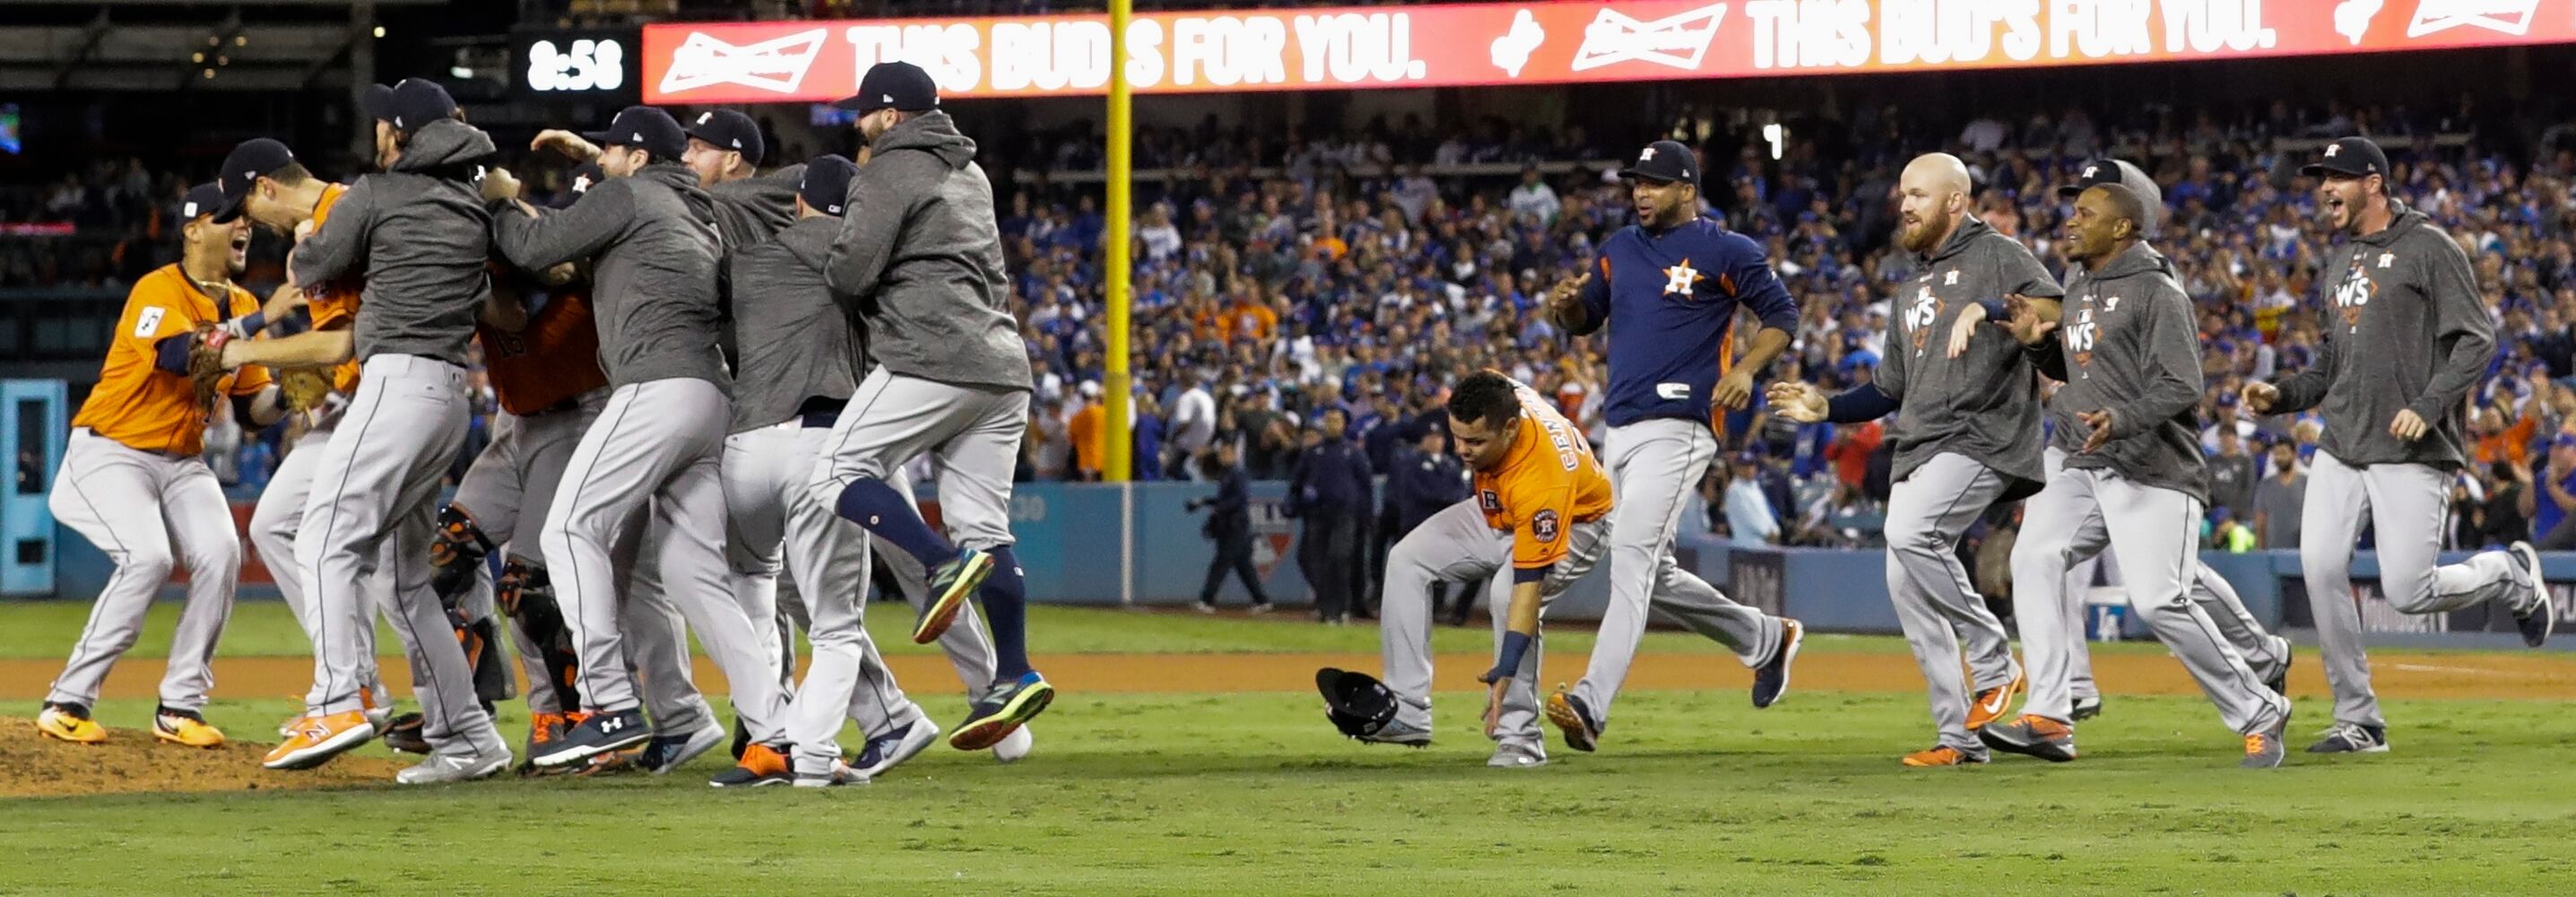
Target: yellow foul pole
[(1119, 465)]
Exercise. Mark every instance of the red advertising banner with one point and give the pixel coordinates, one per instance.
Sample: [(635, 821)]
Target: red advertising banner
[(1551, 43)]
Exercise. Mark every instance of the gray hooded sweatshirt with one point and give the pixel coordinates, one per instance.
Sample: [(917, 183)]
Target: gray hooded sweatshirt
[(1983, 404), (2408, 330), (919, 258), (651, 239), (796, 344), (420, 235), (2129, 342), (751, 210)]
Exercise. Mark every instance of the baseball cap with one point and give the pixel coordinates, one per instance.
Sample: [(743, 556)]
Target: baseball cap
[(249, 161), (1664, 160), (2349, 156), (646, 128), (727, 129), (204, 199), (589, 174), (408, 104), (826, 183), (901, 86)]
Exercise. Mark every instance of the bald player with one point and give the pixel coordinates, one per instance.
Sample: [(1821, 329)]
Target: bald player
[(2408, 339), (133, 484), (1966, 436), (2129, 352)]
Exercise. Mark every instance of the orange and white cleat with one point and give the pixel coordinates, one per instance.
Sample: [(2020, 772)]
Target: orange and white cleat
[(185, 727), (317, 739), (1990, 704), (69, 722), (1943, 755)]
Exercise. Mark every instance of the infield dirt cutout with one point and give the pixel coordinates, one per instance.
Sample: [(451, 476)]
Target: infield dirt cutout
[(132, 761)]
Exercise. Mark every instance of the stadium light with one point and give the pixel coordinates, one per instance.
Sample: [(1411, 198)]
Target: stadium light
[(380, 31)]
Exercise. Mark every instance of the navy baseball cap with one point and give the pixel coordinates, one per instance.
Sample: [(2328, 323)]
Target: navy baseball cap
[(826, 184), (1665, 160), (726, 129), (584, 177), (202, 200), (646, 128), (2351, 157), (249, 161), (408, 104), (901, 86)]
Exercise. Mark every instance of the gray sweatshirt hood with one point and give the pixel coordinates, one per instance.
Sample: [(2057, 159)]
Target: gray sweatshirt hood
[(2138, 259), (932, 132), (444, 143), (810, 239), (2403, 220), (683, 182), (1961, 237)]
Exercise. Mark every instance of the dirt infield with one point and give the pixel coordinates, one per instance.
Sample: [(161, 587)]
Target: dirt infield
[(32, 765), (2396, 674)]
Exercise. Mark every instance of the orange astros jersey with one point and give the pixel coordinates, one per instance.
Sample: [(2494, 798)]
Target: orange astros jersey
[(556, 358), (335, 304), (146, 408), (1548, 481)]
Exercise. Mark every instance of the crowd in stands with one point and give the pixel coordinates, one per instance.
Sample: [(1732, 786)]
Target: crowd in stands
[(1278, 275)]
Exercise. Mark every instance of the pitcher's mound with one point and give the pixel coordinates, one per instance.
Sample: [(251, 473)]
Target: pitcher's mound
[(132, 761)]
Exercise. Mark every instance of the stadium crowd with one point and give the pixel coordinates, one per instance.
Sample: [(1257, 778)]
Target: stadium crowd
[(1280, 275)]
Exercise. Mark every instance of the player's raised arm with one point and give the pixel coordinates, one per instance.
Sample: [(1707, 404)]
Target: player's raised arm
[(339, 246)]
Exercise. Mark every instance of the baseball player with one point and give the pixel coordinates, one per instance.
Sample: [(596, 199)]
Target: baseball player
[(419, 232), (2268, 654), (648, 231), (133, 484), (1966, 435), (1668, 288), (2407, 340), (2129, 354), (264, 184), (919, 258)]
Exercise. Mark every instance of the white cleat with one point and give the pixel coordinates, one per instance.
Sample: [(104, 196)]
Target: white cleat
[(840, 774), (1509, 756), (442, 769)]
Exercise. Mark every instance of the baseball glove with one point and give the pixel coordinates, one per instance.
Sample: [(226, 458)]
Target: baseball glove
[(303, 389), (1357, 703), (206, 361)]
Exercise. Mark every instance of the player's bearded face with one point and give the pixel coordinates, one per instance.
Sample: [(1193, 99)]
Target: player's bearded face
[(705, 160), (1922, 217), (1659, 203), (230, 242), (386, 151), (619, 161), (2339, 200)]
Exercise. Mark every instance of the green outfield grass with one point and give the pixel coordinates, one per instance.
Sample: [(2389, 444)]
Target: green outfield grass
[(1253, 794)]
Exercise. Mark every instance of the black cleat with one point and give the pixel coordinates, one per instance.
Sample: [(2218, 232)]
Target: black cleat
[(597, 734), (403, 734), (1771, 680)]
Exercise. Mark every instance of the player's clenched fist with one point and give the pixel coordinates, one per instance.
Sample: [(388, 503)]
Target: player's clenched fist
[(499, 183), (1800, 402), (2260, 396)]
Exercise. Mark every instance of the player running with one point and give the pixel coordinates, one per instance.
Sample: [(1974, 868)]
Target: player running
[(2130, 358), (919, 259), (1668, 288), (1966, 434), (2408, 338), (133, 482)]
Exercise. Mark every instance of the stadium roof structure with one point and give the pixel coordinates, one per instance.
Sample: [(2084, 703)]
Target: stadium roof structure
[(170, 45)]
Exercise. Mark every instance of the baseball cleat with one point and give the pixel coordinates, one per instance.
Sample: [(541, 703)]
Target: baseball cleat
[(2535, 617), (317, 739), (69, 722), (185, 727), (1514, 756), (761, 765), (839, 774), (1943, 755), (597, 733), (889, 751), (2036, 736), (378, 707), (1015, 748), (2087, 707), (1991, 703), (1570, 714), (613, 763), (1771, 679), (2278, 680), (949, 587), (2264, 750), (1398, 732), (442, 769), (1002, 711), (666, 752), (2347, 738), (403, 734)]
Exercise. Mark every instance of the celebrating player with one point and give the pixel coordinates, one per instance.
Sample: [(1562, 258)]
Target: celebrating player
[(919, 257), (1668, 287), (2130, 357), (1967, 436), (133, 484), (2407, 340)]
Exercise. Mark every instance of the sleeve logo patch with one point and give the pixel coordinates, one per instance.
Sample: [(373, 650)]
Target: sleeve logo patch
[(1543, 526), (147, 323)]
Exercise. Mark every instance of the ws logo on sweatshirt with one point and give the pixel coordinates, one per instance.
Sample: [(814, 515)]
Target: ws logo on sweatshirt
[(2081, 335), (2353, 294)]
